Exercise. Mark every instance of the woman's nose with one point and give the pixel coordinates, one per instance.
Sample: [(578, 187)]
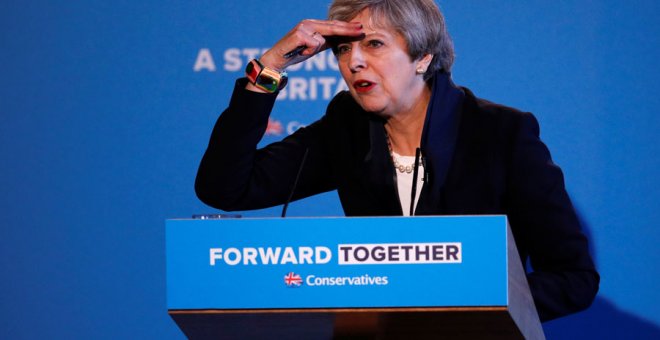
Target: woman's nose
[(356, 61)]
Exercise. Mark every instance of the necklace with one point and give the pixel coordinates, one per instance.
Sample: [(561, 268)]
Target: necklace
[(402, 168)]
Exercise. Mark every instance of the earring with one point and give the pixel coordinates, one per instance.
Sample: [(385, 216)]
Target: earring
[(420, 70)]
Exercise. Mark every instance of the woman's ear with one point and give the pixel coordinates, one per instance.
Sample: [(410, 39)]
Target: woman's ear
[(423, 63)]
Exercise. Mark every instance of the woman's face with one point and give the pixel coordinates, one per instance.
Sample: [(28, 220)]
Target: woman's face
[(378, 70)]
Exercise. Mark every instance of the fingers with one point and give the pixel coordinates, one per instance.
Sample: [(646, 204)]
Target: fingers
[(311, 43), (307, 39), (332, 27), (324, 29)]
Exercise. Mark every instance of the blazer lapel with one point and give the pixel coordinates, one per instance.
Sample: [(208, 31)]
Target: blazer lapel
[(439, 140)]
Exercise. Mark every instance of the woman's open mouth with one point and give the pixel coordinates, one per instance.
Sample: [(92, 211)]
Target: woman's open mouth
[(362, 86)]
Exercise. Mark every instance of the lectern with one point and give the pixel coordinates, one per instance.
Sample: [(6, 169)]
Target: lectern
[(449, 277)]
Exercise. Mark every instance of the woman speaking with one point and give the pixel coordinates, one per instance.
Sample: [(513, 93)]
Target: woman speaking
[(404, 140)]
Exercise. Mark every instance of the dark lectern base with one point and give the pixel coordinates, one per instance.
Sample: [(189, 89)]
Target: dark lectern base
[(401, 323)]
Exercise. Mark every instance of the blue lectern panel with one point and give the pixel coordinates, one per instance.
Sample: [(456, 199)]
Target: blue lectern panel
[(337, 262)]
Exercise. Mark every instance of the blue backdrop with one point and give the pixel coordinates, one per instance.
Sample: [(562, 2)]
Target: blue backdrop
[(106, 108)]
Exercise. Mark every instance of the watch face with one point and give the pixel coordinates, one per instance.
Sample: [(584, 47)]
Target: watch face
[(268, 80), (267, 83)]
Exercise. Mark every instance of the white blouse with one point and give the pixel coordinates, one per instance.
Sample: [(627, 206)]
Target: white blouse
[(404, 182)]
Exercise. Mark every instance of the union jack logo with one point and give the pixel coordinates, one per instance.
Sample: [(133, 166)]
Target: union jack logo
[(293, 280), (274, 127)]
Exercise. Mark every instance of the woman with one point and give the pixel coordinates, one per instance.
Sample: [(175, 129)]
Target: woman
[(473, 156)]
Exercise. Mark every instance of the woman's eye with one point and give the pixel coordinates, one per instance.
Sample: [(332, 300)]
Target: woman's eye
[(342, 49), (374, 43)]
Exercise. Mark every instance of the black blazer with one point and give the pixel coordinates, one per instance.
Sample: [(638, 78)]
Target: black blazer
[(481, 158)]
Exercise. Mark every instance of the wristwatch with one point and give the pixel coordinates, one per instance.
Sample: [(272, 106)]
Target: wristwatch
[(264, 77)]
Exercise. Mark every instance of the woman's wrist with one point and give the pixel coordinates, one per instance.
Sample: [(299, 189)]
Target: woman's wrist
[(269, 61), (263, 78)]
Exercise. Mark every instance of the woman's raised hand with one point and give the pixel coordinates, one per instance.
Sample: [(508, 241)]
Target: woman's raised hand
[(305, 40)]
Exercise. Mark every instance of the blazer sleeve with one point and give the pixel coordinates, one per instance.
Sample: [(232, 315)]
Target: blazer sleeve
[(234, 175), (563, 279)]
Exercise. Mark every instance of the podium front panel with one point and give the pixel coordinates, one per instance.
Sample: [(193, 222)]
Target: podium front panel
[(312, 263)]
